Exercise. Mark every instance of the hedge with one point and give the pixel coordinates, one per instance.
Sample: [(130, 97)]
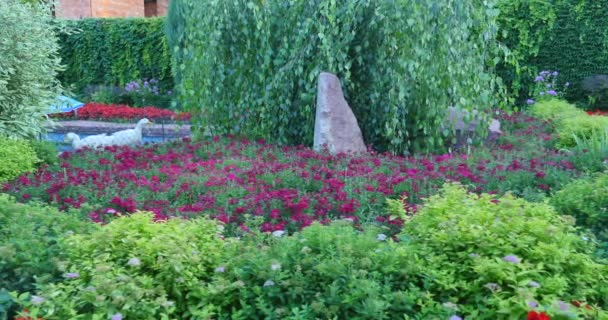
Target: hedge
[(570, 36), (113, 52)]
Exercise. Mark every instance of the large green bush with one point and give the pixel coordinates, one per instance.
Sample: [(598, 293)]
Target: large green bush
[(29, 64), (251, 67), (29, 249), (133, 266), (18, 157), (494, 257), (114, 52), (587, 201)]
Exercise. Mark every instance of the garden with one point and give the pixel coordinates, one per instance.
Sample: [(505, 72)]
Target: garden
[(242, 219)]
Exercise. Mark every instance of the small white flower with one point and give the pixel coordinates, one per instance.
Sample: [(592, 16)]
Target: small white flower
[(37, 300), (349, 219), (381, 237), (134, 262), (90, 288), (220, 269), (167, 304), (111, 211), (278, 233), (585, 238), (268, 283), (450, 305), (275, 267)]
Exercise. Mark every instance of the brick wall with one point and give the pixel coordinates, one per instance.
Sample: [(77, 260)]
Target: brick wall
[(118, 8), (73, 9), (162, 7)]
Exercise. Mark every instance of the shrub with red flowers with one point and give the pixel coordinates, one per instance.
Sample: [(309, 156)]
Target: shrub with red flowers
[(288, 187), (597, 113), (98, 111)]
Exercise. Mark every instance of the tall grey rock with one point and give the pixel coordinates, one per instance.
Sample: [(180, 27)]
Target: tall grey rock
[(336, 127)]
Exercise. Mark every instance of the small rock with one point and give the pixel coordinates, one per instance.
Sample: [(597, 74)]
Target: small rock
[(336, 127)]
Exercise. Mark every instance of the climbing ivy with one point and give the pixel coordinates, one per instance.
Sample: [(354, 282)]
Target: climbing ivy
[(114, 52), (251, 67)]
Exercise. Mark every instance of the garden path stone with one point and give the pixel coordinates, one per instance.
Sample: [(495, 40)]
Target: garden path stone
[(336, 127), (95, 127)]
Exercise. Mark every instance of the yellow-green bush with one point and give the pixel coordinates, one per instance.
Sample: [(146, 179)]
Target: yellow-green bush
[(555, 109), (570, 122), (17, 157)]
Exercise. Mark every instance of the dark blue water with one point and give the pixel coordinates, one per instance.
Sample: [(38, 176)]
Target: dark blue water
[(57, 139)]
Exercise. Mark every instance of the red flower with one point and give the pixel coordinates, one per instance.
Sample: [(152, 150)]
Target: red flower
[(533, 315)]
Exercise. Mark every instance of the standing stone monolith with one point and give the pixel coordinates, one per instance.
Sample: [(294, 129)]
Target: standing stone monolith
[(336, 127)]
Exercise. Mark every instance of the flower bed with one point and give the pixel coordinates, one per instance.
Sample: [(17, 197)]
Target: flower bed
[(98, 111), (597, 113), (290, 187)]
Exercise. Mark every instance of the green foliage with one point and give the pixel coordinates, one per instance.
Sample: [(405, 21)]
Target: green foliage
[(18, 157), (45, 151), (591, 155), (556, 35), (395, 61), (570, 122), (578, 45), (114, 52), (324, 272), (133, 266), (28, 67), (524, 25), (491, 256), (29, 249), (586, 201)]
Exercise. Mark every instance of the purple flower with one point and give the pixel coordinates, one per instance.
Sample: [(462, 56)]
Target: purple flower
[(511, 258), (563, 306), (455, 317), (220, 269), (71, 275), (117, 316), (567, 84), (539, 79), (530, 101), (37, 300), (492, 286), (552, 93), (134, 262), (555, 73), (532, 304), (534, 284), (548, 85)]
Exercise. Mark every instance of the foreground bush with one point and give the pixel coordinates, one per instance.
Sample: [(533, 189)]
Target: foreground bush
[(395, 60), (28, 67), (18, 157), (497, 258), (134, 267), (587, 201), (29, 250)]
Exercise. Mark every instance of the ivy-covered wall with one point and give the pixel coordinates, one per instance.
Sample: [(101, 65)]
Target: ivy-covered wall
[(114, 52), (570, 36)]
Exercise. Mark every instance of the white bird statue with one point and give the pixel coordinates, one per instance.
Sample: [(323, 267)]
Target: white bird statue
[(93, 142), (130, 136)]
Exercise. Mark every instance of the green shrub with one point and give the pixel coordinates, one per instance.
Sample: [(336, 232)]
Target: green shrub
[(18, 157), (324, 272), (581, 127), (133, 266), (492, 256), (45, 151), (395, 61), (555, 110), (587, 201), (28, 67), (113, 52), (29, 249), (590, 155)]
